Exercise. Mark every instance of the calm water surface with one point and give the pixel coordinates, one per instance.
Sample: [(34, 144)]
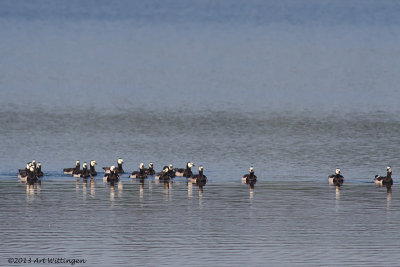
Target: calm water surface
[(279, 223)]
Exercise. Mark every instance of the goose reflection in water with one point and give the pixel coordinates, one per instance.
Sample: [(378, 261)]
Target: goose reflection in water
[(120, 188), (30, 190), (141, 188), (388, 198), (167, 189), (77, 185), (201, 190), (84, 187), (38, 187), (112, 191), (388, 193), (190, 189), (337, 198), (201, 187), (388, 187), (92, 188), (337, 192), (251, 192)]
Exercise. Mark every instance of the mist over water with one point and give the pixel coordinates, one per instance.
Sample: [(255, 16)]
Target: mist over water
[(294, 88), (254, 56)]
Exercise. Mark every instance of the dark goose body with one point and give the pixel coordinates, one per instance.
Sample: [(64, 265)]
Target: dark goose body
[(187, 172), (112, 176), (119, 168), (39, 172), (200, 178), (249, 177), (167, 170), (171, 171), (336, 179), (30, 176), (141, 174), (74, 170), (150, 170), (385, 180), (92, 169), (24, 172), (84, 173), (164, 175)]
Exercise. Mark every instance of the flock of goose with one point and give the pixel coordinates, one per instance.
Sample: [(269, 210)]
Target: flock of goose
[(337, 179), (33, 172)]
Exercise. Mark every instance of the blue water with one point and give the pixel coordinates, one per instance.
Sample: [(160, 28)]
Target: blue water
[(294, 88)]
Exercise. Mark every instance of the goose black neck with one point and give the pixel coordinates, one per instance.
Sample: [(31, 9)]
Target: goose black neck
[(85, 171)]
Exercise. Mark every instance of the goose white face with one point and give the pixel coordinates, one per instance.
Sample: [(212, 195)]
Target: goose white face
[(84, 165), (170, 166), (141, 165), (190, 164), (120, 161), (28, 166), (39, 164), (200, 168), (32, 169), (33, 162), (165, 170), (251, 169), (77, 162), (151, 165), (337, 171), (92, 163), (112, 168), (389, 169)]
